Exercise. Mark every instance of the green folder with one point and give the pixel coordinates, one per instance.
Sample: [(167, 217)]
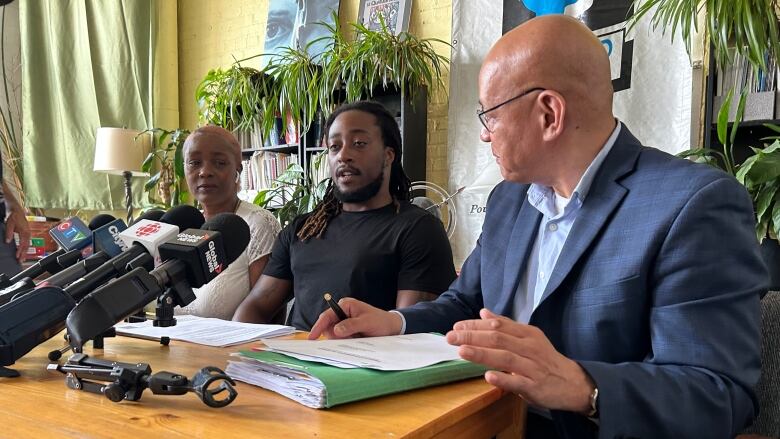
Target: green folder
[(347, 385)]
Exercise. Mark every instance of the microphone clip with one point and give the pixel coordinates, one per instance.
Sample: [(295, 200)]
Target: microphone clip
[(129, 380)]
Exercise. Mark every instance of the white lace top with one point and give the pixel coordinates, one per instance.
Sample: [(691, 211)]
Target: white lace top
[(220, 297)]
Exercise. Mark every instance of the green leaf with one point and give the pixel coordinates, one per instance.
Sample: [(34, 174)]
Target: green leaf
[(744, 168), (723, 117), (773, 127), (761, 230), (738, 116), (764, 167), (146, 166), (764, 198), (776, 216), (178, 164), (152, 181)]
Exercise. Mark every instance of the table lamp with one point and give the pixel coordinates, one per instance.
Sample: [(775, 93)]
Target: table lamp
[(121, 151)]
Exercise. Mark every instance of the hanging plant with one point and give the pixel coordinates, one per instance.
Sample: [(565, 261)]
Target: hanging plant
[(238, 98)]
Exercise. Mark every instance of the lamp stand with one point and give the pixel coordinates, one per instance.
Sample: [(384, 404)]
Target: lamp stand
[(128, 196)]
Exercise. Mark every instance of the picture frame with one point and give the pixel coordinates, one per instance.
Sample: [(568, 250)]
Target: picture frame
[(395, 13)]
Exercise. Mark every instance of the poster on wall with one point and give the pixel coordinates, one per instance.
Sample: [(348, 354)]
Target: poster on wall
[(394, 13), (652, 78), (295, 23)]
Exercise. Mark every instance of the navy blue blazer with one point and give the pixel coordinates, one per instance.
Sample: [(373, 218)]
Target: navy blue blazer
[(655, 293)]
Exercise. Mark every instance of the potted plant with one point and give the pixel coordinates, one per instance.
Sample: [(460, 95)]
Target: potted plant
[(750, 30), (747, 27), (238, 98), (759, 173), (292, 194), (298, 85), (167, 157), (379, 59)]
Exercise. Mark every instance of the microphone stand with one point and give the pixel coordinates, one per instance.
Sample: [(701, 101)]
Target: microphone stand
[(129, 380)]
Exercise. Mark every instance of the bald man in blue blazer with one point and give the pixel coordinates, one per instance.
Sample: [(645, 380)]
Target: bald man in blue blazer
[(614, 287)]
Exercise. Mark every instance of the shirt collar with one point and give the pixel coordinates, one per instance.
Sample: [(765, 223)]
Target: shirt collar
[(543, 197), (583, 186)]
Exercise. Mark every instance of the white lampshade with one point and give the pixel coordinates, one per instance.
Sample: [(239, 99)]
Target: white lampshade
[(118, 150)]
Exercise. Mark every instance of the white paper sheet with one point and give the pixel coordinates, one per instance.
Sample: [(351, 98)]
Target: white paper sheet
[(206, 331), (397, 352)]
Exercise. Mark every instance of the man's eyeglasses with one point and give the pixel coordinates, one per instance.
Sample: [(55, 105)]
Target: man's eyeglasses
[(481, 113)]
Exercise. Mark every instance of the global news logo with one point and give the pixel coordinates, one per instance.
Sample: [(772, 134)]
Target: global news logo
[(190, 239)]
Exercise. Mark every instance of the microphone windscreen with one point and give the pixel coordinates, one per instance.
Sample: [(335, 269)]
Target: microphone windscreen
[(152, 215), (235, 233), (100, 220), (184, 216)]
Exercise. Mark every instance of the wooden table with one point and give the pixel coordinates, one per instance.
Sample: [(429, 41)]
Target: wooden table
[(38, 404)]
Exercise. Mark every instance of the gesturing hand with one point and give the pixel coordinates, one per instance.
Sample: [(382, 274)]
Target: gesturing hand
[(525, 362)]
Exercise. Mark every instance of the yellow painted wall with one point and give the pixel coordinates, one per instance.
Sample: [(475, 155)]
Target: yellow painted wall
[(212, 33)]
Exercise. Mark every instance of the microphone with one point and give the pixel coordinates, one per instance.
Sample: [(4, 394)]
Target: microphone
[(103, 226), (152, 214), (55, 263), (72, 234), (105, 237), (100, 220), (142, 239), (34, 318), (191, 259)]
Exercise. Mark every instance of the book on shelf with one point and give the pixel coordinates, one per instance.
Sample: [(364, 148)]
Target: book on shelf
[(742, 75), (263, 168), (292, 135)]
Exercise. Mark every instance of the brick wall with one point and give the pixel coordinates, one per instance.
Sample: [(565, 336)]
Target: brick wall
[(212, 33)]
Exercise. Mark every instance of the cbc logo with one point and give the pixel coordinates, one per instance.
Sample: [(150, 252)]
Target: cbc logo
[(147, 229)]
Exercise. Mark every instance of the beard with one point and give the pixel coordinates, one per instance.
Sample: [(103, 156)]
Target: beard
[(362, 194)]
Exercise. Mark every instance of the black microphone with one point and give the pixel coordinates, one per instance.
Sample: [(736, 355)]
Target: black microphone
[(60, 264), (152, 214), (59, 259), (191, 259), (34, 318), (142, 238), (100, 220)]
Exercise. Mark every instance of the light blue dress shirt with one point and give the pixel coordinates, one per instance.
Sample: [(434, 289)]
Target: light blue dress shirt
[(558, 216)]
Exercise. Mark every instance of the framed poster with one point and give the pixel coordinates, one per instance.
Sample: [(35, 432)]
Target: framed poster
[(294, 23), (395, 14)]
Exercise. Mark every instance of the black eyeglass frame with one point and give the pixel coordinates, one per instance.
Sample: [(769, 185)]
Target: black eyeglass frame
[(481, 113)]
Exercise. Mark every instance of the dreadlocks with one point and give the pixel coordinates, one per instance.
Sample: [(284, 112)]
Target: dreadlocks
[(329, 207)]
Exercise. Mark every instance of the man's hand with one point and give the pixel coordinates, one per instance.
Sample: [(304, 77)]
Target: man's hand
[(531, 366), (364, 321), (17, 222)]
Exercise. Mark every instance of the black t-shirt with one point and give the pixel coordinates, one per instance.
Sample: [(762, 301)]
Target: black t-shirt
[(367, 255)]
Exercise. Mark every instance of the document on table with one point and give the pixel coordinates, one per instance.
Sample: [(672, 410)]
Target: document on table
[(324, 373), (205, 331), (396, 352)]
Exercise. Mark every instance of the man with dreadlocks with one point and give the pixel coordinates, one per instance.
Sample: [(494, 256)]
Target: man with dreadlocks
[(364, 240)]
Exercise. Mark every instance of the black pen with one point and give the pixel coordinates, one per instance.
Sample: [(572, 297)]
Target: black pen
[(335, 306)]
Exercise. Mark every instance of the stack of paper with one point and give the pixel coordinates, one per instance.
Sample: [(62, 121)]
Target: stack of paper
[(205, 331), (325, 373)]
